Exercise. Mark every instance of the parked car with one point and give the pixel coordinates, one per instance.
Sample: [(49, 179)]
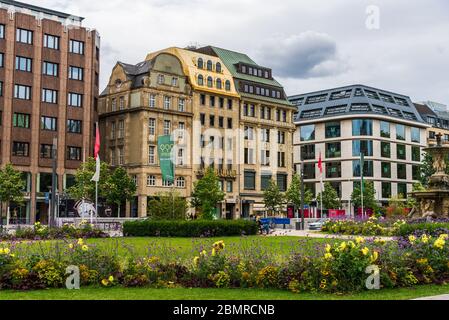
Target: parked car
[(317, 225)]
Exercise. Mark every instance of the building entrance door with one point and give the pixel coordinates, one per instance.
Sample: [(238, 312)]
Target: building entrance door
[(230, 207)]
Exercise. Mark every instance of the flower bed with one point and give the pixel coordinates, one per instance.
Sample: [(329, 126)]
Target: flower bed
[(67, 231), (337, 268), (195, 228)]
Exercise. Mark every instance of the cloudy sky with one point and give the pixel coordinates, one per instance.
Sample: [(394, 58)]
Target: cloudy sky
[(310, 45)]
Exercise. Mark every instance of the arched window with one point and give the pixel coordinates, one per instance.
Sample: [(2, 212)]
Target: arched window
[(200, 63), (219, 86), (209, 65), (200, 80), (210, 82), (218, 67), (180, 182), (228, 85)]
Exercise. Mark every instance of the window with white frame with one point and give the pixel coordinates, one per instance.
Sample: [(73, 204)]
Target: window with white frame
[(114, 104), (151, 180), (75, 99), (174, 82), (181, 104), (152, 126), (75, 73), (135, 180), (160, 79), (167, 102), (151, 155), (152, 101), (167, 127), (121, 159), (76, 47), (180, 157), (49, 96), (51, 42), (113, 130), (122, 103), (113, 157), (181, 128), (180, 182)]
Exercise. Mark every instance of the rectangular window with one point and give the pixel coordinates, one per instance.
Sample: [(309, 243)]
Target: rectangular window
[(228, 186), (308, 152), (181, 130), (51, 42), (221, 102), (265, 157), (167, 127), (202, 119), (309, 170), (152, 101), (74, 153), (202, 99), (23, 64), (416, 173), (112, 130), (281, 180), (76, 47), (50, 69), (22, 92), (400, 152), (415, 134), (362, 127), (333, 169), (333, 150), (24, 36), (281, 137), (48, 123), (2, 31), (400, 132), (151, 154), (212, 101), (248, 133), (49, 96), (229, 123), (20, 149), (181, 104), (121, 157), (265, 135), (281, 159), (74, 126), (386, 190), (385, 129), (46, 151), (367, 168), (308, 132), (21, 120), (76, 73), (402, 171), (151, 181), (121, 105), (385, 150), (2, 59), (121, 129), (212, 121), (75, 99), (249, 180), (229, 104), (386, 169), (416, 153), (167, 102), (220, 122), (249, 156), (402, 190), (333, 130), (364, 147), (152, 126)]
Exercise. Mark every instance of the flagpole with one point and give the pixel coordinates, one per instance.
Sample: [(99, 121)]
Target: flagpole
[(322, 189)]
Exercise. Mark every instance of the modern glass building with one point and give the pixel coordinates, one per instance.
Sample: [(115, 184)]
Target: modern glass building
[(343, 123)]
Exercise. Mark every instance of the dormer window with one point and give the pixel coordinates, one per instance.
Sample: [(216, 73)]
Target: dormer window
[(209, 65), (218, 67), (228, 85), (161, 79), (219, 84), (243, 69), (200, 63)]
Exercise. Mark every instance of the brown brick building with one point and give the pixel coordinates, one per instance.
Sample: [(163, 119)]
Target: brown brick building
[(49, 73)]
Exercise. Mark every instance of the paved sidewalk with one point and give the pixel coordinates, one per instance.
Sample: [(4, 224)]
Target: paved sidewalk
[(318, 234), (440, 297)]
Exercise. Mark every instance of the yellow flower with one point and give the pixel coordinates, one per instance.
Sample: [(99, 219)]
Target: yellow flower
[(111, 278), (203, 253), (213, 252), (71, 245), (351, 244), (342, 246), (439, 243), (411, 238), (444, 236), (365, 251), (328, 247), (322, 286), (323, 281), (379, 241), (80, 241), (424, 238), (84, 248), (195, 260), (359, 240), (327, 256), (104, 282), (324, 272), (6, 250), (374, 256), (334, 283), (422, 261), (1, 250)]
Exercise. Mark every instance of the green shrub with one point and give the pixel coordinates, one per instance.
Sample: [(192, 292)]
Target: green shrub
[(433, 228), (196, 228)]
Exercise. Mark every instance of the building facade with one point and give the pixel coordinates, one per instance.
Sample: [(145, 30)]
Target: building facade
[(49, 67), (217, 124), (343, 123), (436, 116)]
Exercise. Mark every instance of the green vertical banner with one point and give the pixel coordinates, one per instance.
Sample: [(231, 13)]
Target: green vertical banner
[(362, 166), (164, 150)]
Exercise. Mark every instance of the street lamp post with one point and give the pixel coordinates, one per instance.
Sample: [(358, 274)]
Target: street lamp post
[(53, 183), (302, 195)]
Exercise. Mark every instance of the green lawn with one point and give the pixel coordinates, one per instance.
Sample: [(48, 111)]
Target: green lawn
[(186, 248), (216, 294)]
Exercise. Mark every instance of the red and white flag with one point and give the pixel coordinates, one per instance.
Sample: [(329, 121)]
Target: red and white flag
[(96, 176), (320, 165)]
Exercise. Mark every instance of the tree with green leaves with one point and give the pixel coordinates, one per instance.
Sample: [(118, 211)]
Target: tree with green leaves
[(273, 198), (11, 187), (207, 194), (293, 194), (369, 196), (426, 168), (84, 188), (168, 206), (331, 200), (119, 188)]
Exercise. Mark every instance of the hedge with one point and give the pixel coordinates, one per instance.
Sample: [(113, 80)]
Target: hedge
[(195, 228), (430, 228)]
